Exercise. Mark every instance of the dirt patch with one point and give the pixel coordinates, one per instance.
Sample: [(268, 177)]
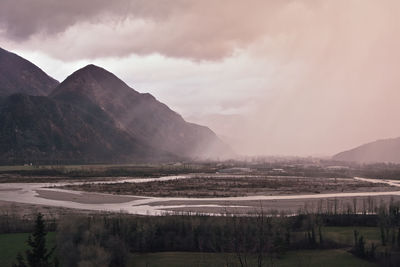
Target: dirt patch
[(9, 189), (84, 198), (31, 210)]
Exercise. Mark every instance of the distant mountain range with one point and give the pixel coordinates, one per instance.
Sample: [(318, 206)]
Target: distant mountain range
[(387, 150), (92, 116)]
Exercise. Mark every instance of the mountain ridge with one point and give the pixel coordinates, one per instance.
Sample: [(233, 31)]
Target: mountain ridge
[(94, 117), (383, 150), (140, 114), (39, 129), (18, 75)]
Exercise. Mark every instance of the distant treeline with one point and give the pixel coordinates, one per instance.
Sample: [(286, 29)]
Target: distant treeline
[(155, 170), (329, 169)]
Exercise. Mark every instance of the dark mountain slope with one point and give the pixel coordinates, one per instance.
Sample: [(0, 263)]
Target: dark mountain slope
[(39, 129), (387, 150), (144, 117), (18, 75)]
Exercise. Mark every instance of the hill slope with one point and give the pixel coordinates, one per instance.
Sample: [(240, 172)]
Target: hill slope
[(141, 115), (387, 150), (18, 75), (92, 116), (40, 130)]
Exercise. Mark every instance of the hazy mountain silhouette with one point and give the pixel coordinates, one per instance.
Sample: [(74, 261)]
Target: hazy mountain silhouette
[(40, 129), (141, 115), (18, 75), (92, 116), (387, 150)]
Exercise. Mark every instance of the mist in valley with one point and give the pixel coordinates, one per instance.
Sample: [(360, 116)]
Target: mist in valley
[(293, 78), (199, 133)]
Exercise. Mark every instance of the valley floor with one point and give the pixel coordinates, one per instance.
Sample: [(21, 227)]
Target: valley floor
[(273, 195)]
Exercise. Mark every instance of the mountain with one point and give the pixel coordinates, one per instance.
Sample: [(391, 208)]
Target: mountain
[(387, 150), (41, 130), (18, 75), (141, 115), (90, 117)]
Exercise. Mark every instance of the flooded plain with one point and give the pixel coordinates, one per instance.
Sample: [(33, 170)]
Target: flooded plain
[(50, 194)]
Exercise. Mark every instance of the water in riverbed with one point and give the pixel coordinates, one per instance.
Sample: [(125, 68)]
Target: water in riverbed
[(48, 194)]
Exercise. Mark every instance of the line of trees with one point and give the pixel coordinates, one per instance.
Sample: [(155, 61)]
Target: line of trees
[(110, 239)]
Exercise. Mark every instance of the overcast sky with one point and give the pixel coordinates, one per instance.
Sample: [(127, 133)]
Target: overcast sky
[(271, 77)]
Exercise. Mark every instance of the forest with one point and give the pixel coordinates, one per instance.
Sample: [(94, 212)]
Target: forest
[(257, 240)]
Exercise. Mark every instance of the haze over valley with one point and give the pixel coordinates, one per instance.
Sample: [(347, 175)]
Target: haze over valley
[(304, 78), (199, 133)]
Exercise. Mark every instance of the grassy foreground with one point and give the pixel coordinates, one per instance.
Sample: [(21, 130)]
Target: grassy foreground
[(345, 235), (11, 244), (309, 258)]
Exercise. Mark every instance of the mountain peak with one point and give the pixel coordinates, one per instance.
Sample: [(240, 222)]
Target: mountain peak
[(93, 68), (94, 72), (18, 75), (141, 115), (93, 82)]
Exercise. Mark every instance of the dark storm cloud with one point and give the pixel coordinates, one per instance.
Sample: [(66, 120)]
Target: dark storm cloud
[(313, 76), (24, 18), (190, 29)]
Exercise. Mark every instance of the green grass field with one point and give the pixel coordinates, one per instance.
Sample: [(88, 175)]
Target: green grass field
[(309, 258), (345, 235), (11, 244)]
